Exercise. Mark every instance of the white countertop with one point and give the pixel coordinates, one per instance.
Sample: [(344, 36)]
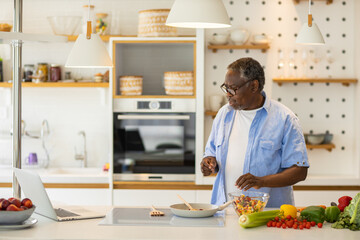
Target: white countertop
[(63, 175), (89, 229)]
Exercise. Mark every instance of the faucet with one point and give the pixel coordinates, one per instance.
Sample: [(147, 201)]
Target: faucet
[(83, 156)]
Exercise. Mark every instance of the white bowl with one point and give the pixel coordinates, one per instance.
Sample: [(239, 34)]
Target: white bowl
[(239, 36), (219, 39), (260, 39), (315, 138), (64, 25)]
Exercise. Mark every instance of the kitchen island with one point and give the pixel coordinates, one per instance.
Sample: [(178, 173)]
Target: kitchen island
[(89, 229)]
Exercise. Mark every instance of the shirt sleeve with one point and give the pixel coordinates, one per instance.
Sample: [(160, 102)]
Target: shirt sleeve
[(210, 148), (293, 145)]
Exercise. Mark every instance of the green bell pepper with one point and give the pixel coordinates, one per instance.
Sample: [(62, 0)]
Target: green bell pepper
[(314, 213), (332, 214)]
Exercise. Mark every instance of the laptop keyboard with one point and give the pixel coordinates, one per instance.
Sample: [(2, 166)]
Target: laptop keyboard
[(64, 213)]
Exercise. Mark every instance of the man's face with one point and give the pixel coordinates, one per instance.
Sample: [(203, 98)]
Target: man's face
[(242, 98)]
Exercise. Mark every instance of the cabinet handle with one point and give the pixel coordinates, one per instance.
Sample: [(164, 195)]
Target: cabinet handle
[(164, 117)]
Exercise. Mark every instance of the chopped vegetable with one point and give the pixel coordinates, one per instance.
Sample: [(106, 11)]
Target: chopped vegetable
[(288, 209), (314, 213), (246, 205), (257, 218), (332, 214)]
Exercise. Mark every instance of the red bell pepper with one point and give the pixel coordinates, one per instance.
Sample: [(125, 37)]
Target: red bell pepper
[(344, 202)]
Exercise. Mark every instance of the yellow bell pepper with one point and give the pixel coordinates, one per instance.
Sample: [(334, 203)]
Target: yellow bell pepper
[(287, 209)]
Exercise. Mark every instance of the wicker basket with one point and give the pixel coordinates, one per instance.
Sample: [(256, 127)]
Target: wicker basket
[(179, 83), (131, 85), (152, 24)]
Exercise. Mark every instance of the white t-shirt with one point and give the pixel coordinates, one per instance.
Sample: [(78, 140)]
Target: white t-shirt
[(237, 148)]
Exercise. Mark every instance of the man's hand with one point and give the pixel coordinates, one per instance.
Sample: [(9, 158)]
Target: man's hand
[(248, 181), (208, 165)]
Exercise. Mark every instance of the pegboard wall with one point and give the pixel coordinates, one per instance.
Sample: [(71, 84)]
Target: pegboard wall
[(321, 107)]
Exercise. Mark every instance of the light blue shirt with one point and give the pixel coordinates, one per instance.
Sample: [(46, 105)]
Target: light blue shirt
[(276, 142)]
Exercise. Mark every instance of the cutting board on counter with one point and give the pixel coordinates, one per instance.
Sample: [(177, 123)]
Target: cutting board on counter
[(141, 217)]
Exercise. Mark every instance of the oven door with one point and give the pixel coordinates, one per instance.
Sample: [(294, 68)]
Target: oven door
[(154, 146)]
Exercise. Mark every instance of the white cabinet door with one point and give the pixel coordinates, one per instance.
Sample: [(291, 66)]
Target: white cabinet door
[(77, 196), (203, 196), (6, 192), (162, 198), (307, 198)]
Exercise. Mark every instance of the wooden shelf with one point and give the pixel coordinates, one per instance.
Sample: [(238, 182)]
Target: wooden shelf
[(105, 38), (210, 113), (153, 96), (59, 84), (328, 146), (343, 81), (262, 47), (327, 1)]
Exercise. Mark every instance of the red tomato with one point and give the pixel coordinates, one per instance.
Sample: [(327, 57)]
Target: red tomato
[(295, 226), (283, 226), (273, 224), (301, 227), (308, 225), (319, 225), (277, 219), (313, 223), (278, 224), (288, 217), (269, 224)]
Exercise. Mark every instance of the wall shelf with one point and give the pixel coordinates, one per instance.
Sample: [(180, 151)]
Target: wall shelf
[(59, 84), (106, 38), (262, 47), (327, 1), (210, 113), (153, 96), (343, 81), (328, 146)]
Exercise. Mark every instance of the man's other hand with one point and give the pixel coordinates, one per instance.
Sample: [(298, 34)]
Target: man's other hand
[(208, 165), (248, 181)]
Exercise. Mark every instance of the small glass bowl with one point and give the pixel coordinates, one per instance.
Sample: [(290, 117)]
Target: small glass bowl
[(246, 202)]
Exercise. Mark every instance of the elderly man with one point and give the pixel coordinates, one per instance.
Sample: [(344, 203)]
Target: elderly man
[(255, 142)]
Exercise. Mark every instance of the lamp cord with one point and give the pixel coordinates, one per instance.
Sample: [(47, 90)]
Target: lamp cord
[(309, 6)]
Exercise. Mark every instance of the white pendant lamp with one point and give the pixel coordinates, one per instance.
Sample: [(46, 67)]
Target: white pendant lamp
[(198, 14), (309, 33), (88, 51)]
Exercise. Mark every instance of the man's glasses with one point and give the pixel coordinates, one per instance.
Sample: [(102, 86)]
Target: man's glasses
[(232, 91)]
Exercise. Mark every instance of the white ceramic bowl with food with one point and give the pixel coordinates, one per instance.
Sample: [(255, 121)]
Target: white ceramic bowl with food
[(201, 209)]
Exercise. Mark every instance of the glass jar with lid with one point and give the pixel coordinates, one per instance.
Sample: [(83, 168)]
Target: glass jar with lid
[(29, 70), (102, 23), (42, 72), (55, 72), (88, 15)]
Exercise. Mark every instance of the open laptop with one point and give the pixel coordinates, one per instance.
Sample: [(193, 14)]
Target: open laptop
[(33, 188)]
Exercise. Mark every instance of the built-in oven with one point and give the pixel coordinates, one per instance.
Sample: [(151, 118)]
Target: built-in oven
[(155, 141)]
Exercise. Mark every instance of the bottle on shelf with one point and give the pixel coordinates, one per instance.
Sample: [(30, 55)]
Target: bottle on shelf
[(1, 70), (29, 70)]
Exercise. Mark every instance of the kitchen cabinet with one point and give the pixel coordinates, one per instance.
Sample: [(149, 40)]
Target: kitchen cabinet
[(79, 196), (150, 58), (137, 197), (262, 47)]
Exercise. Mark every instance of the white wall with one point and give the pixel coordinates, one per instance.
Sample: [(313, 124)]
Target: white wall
[(86, 109)]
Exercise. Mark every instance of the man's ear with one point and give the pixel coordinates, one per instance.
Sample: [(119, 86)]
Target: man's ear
[(255, 86)]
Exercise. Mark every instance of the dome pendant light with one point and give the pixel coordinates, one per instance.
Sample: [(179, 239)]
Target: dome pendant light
[(309, 33), (88, 51), (198, 14)]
